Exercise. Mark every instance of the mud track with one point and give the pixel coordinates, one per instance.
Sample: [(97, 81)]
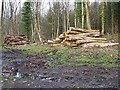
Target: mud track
[(31, 71)]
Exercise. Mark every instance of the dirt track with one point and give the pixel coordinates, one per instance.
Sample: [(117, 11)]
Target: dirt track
[(24, 71)]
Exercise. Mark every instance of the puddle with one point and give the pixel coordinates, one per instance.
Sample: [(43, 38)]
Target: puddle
[(12, 68), (6, 74), (49, 79), (24, 81), (18, 75)]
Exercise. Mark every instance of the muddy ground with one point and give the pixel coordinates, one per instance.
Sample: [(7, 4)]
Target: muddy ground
[(31, 71)]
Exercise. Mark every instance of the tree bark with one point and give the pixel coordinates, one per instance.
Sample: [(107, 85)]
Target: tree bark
[(82, 15), (58, 25), (37, 22), (15, 17), (2, 21), (68, 22), (103, 19), (11, 18), (112, 17), (75, 6), (87, 16), (64, 17)]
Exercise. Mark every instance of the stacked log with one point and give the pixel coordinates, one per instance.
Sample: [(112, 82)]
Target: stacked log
[(77, 36), (13, 40)]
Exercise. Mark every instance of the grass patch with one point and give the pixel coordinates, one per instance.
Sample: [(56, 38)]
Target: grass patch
[(104, 57), (35, 48), (1, 47)]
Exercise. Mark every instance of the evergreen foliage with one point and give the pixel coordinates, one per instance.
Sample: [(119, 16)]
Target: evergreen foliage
[(79, 14), (26, 19)]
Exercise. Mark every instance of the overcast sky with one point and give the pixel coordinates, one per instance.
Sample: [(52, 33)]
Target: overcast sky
[(46, 2)]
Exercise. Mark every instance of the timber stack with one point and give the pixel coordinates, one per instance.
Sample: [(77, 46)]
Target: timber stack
[(81, 37), (13, 40)]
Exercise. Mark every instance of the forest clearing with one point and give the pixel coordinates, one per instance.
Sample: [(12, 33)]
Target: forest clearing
[(64, 44), (35, 66)]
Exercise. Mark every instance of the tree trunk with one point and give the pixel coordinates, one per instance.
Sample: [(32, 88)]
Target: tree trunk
[(52, 28), (37, 22), (103, 19), (75, 6), (112, 17), (68, 22), (58, 25), (51, 14), (82, 15), (64, 17), (11, 18), (15, 17), (87, 16), (2, 21)]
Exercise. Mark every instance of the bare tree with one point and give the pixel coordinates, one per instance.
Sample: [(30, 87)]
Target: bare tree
[(75, 6), (2, 20), (87, 15), (82, 5), (102, 18), (58, 23), (64, 16), (112, 17), (11, 18), (16, 6), (52, 24), (68, 22), (37, 21)]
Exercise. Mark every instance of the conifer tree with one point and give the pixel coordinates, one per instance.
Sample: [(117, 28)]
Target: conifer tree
[(26, 19)]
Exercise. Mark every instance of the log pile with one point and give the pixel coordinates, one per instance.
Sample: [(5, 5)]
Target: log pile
[(76, 37), (14, 40)]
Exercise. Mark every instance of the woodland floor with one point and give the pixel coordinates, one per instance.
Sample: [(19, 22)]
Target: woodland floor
[(60, 67)]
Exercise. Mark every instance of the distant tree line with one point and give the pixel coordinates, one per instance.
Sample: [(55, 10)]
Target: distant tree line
[(38, 24)]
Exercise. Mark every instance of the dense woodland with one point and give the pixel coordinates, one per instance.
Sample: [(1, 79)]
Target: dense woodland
[(40, 24)]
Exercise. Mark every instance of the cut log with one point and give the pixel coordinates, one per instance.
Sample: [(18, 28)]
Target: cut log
[(63, 41), (72, 32), (62, 36), (54, 45), (89, 41), (92, 38), (99, 45), (57, 40), (95, 35), (78, 30), (71, 44), (77, 37), (83, 30), (50, 41), (19, 43), (93, 31), (72, 40), (85, 41), (16, 40)]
